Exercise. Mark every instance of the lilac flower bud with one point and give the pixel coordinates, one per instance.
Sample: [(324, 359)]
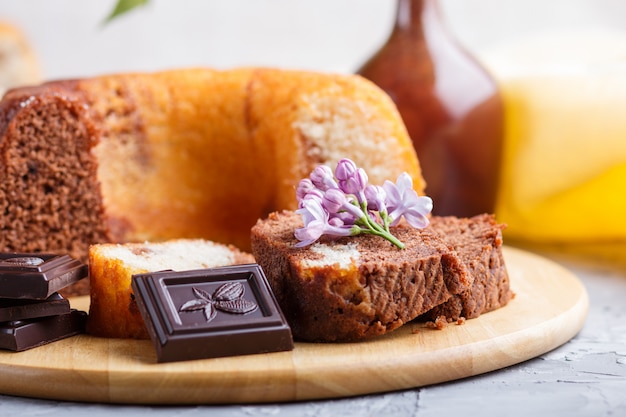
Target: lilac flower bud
[(335, 221), (313, 194), (334, 200), (355, 184), (376, 196), (345, 169), (322, 178), (345, 217), (304, 187)]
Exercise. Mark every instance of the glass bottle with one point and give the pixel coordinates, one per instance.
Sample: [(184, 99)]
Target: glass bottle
[(450, 105)]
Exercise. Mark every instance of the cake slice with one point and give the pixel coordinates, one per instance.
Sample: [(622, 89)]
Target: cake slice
[(478, 241), (113, 311), (358, 287)]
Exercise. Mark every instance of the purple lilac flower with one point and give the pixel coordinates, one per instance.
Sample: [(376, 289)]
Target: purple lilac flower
[(316, 223), (345, 205), (336, 221), (345, 218), (376, 197), (351, 179), (322, 178), (356, 185), (313, 194), (336, 201), (304, 187), (345, 169), (402, 200)]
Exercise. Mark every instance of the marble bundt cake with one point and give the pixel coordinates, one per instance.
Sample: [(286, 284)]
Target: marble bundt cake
[(188, 153)]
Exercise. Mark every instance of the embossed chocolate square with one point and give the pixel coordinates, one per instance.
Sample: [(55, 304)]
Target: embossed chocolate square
[(37, 276), (210, 313)]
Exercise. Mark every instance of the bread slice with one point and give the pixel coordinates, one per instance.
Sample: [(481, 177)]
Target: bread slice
[(358, 287), (478, 241), (113, 311)]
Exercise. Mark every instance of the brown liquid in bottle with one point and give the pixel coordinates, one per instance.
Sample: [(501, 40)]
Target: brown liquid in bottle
[(450, 105)]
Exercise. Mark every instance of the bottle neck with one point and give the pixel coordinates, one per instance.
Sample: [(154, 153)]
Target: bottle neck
[(414, 14)]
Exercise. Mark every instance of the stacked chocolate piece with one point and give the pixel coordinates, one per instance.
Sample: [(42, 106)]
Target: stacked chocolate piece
[(32, 312)]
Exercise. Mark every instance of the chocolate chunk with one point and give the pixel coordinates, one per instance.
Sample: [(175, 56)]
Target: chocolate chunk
[(25, 334), (209, 313), (37, 276), (13, 309)]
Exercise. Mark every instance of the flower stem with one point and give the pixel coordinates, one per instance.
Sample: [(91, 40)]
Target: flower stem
[(386, 221), (372, 227), (385, 235), (367, 220)]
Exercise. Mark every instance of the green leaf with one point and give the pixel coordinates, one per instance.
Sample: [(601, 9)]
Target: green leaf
[(124, 6)]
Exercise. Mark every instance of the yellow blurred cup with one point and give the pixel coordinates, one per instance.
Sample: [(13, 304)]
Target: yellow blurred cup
[(564, 162)]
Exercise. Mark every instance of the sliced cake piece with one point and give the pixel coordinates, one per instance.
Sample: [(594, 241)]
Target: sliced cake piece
[(357, 287), (478, 241), (113, 311)]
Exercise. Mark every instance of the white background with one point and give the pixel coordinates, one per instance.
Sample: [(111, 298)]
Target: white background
[(326, 35)]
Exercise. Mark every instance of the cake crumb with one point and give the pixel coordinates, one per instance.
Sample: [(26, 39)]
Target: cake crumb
[(440, 323)]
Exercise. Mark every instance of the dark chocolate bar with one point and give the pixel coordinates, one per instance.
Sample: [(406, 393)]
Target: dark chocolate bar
[(211, 313), (12, 309), (25, 334), (37, 276)]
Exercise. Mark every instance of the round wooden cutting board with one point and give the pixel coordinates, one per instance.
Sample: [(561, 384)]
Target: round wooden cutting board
[(550, 307)]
